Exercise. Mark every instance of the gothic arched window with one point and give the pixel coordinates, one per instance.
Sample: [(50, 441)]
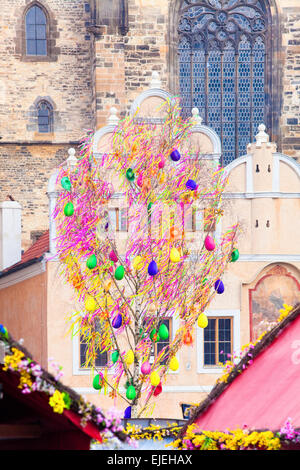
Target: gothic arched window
[(222, 67), (36, 32), (45, 117)]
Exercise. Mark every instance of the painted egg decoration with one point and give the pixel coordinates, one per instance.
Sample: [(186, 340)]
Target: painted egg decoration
[(137, 263), (235, 255), (69, 209), (219, 286), (97, 382), (66, 183), (174, 364), (174, 255), (152, 268), (115, 356), (139, 181), (175, 155), (131, 392), (161, 164), (146, 368), (127, 412), (154, 379), (130, 174), (157, 390), (117, 321), (90, 303), (191, 185), (129, 357), (163, 332), (3, 331), (113, 257), (91, 262), (202, 320), (209, 243), (119, 273)]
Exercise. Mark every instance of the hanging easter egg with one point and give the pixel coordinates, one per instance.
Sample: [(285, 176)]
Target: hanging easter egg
[(154, 379), (127, 412), (161, 164), (90, 303), (146, 368), (3, 331), (149, 206), (174, 255), (204, 281), (209, 243), (152, 268), (69, 209), (187, 339), (163, 332), (139, 181), (113, 257), (129, 357), (191, 185), (235, 255), (137, 263), (154, 336), (66, 183), (219, 286), (162, 178), (91, 262), (119, 273), (115, 356), (202, 320), (157, 390), (97, 382), (174, 364), (175, 155), (117, 321), (131, 392), (130, 174)]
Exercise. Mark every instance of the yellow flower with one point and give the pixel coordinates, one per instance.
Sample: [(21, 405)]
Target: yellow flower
[(57, 402), (13, 361)]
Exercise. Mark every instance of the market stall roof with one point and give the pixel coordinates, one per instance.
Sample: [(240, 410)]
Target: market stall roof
[(28, 421), (262, 394)]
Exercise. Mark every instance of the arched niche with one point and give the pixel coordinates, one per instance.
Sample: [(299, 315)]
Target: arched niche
[(275, 285)]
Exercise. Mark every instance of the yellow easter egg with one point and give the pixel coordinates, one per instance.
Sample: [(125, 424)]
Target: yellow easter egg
[(154, 379), (162, 178), (137, 263), (129, 358), (174, 364), (174, 255), (202, 320), (90, 303)]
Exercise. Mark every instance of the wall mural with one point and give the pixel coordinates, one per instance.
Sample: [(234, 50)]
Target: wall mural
[(277, 287)]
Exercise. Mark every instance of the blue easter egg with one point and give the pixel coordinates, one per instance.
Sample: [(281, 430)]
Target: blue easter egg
[(175, 155), (219, 286), (152, 268)]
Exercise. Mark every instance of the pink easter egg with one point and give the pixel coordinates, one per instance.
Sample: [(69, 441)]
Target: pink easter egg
[(209, 243), (139, 181), (161, 164), (146, 368), (113, 257)]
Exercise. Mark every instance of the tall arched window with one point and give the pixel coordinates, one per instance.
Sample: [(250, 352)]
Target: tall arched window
[(36, 32), (222, 67), (45, 117)]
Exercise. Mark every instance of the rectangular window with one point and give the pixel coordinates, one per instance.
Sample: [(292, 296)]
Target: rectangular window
[(100, 360), (190, 219), (163, 343), (217, 341), (209, 220), (119, 219)]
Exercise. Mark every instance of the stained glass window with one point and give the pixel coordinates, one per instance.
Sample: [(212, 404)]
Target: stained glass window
[(222, 58), (36, 34)]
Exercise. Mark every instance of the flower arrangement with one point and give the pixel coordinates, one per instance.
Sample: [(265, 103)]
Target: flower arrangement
[(153, 431), (32, 378)]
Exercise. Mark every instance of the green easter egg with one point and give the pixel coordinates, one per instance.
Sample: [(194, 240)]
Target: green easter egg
[(131, 392), (91, 262), (69, 209), (115, 356), (97, 382), (66, 183), (163, 332), (235, 255), (119, 273)]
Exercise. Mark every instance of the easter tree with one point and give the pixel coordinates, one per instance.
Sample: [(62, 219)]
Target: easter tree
[(126, 287)]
